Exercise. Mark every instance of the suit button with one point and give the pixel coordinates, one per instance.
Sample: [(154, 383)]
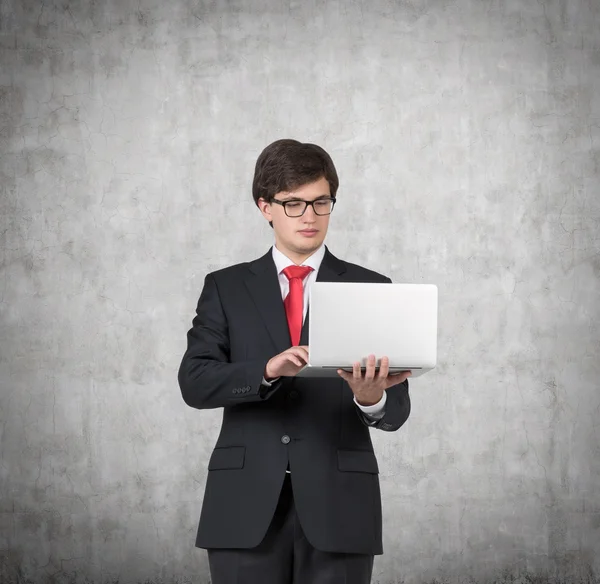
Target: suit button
[(285, 439)]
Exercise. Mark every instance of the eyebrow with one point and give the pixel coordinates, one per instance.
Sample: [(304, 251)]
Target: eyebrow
[(293, 197)]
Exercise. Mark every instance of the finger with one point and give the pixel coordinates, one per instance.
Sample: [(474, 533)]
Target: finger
[(356, 372), (384, 368), (344, 374), (370, 372), (300, 352), (295, 359)]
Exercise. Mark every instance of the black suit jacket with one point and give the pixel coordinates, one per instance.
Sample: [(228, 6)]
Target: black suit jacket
[(311, 424)]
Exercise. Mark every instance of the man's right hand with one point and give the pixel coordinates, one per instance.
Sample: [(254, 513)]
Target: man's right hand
[(288, 363)]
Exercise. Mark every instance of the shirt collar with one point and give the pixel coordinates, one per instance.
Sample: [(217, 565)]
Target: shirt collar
[(314, 261)]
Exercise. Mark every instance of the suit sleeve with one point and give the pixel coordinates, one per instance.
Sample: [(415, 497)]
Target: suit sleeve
[(397, 409), (207, 378)]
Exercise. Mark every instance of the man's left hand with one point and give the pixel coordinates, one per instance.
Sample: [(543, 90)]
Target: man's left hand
[(368, 388)]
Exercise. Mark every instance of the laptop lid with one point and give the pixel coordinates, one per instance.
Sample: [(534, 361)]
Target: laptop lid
[(350, 320)]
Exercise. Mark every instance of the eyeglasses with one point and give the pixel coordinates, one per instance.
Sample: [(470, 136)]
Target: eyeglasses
[(296, 207)]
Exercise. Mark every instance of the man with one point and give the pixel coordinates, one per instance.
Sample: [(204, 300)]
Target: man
[(292, 494)]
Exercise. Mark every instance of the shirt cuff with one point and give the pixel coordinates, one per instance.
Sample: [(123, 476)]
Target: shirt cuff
[(375, 408), (269, 383)]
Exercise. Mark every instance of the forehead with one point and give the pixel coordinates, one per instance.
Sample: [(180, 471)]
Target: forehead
[(309, 191)]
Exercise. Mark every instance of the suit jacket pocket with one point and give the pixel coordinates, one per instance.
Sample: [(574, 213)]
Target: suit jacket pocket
[(357, 461), (227, 457)]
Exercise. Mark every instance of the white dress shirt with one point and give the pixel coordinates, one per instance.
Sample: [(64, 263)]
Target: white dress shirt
[(374, 412)]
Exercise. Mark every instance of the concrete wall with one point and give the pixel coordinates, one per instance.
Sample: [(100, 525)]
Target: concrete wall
[(466, 134)]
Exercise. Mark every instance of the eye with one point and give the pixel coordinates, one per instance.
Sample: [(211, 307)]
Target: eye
[(293, 204)]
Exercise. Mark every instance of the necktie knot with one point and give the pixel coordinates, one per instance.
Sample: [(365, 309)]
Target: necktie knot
[(297, 272)]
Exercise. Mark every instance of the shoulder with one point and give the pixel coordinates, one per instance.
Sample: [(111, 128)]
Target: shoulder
[(237, 272), (228, 273), (357, 271)]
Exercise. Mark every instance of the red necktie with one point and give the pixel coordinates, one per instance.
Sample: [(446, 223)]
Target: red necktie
[(293, 302)]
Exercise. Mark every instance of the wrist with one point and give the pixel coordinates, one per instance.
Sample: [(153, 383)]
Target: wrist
[(370, 401)]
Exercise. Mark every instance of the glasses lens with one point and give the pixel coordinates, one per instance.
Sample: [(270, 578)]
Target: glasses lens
[(295, 208), (323, 207)]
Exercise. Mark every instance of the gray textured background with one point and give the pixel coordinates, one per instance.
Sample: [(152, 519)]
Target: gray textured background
[(466, 134)]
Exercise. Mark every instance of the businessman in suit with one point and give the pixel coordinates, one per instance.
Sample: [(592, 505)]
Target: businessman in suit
[(292, 494)]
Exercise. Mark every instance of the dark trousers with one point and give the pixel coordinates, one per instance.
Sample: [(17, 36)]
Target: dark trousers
[(286, 557)]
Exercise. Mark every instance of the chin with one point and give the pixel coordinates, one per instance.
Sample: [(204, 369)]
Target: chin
[(310, 242)]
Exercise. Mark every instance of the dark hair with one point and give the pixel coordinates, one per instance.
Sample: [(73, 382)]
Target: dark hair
[(286, 164)]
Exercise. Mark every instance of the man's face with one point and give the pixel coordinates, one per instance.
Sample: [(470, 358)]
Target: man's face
[(298, 237)]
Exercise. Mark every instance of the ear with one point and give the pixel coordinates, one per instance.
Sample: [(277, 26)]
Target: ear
[(265, 209)]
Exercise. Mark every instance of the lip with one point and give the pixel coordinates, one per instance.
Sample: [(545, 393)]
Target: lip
[(308, 232)]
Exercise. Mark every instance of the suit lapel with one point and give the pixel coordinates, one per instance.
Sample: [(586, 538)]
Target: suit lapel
[(330, 270), (263, 284)]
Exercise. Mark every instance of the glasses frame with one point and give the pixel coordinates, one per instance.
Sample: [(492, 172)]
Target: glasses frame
[(306, 204)]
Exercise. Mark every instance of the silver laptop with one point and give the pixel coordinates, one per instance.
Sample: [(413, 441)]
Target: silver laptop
[(348, 321)]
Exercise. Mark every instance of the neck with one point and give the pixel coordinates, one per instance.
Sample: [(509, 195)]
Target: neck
[(296, 257)]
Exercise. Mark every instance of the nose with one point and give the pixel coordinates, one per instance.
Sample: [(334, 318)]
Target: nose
[(309, 213)]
